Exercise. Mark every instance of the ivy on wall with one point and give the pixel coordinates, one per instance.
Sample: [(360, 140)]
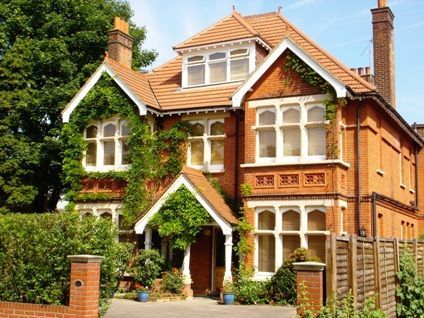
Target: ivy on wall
[(154, 156), (180, 218)]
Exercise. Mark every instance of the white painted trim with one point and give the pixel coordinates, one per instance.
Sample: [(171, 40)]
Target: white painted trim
[(202, 48), (285, 44), (66, 113), (310, 162), (182, 180)]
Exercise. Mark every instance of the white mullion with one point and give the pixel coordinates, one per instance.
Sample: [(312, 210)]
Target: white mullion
[(206, 145), (118, 148), (279, 134), (303, 226), (278, 242), (303, 133), (100, 148)]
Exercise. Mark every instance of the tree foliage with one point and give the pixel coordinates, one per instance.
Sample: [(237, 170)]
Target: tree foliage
[(47, 49)]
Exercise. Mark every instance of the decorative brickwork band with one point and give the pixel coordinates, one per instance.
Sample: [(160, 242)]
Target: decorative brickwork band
[(310, 279)]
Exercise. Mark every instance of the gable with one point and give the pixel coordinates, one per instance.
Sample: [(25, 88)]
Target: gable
[(278, 81), (287, 44)]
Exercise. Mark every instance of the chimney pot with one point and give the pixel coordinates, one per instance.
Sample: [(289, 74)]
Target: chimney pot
[(367, 71), (382, 3), (353, 69), (360, 71)]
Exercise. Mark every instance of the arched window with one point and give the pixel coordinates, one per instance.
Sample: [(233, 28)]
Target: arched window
[(291, 132), (316, 132), (266, 133), (291, 221), (106, 215), (265, 240), (266, 220), (316, 220)]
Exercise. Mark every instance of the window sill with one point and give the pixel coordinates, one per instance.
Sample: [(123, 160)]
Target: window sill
[(380, 172), (292, 163), (261, 276), (403, 186), (207, 170), (211, 85), (106, 168)]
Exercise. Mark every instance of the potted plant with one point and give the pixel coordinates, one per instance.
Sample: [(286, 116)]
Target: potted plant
[(228, 291), (147, 267)]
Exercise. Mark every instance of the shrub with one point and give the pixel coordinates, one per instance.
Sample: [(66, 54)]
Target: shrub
[(34, 267), (173, 282), (148, 265), (248, 291), (282, 286), (410, 292)]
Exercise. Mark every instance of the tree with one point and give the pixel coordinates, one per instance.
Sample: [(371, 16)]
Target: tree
[(47, 50)]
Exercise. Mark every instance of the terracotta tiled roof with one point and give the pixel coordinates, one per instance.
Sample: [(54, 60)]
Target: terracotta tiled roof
[(230, 28), (198, 179), (161, 88), (136, 81)]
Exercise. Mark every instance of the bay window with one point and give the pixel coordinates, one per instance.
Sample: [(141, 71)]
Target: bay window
[(206, 145), (280, 229), (288, 131), (107, 145)]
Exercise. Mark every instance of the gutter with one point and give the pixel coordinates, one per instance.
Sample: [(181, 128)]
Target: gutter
[(358, 169)]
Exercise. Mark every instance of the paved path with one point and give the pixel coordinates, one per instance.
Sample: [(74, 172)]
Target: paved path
[(196, 308)]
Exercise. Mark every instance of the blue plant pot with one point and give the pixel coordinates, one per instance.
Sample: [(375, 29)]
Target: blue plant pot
[(143, 296), (228, 298)]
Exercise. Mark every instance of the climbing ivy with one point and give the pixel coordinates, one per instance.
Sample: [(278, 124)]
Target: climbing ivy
[(312, 78), (180, 218), (154, 156)]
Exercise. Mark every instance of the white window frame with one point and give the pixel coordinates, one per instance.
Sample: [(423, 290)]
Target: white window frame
[(99, 140), (207, 145), (280, 105), (260, 128), (251, 55), (303, 207)]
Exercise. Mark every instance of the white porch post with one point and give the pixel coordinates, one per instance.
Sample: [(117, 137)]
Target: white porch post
[(186, 266), (147, 238), (228, 251)]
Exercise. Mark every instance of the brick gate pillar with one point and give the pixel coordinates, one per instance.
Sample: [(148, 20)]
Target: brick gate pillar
[(310, 279), (85, 283)]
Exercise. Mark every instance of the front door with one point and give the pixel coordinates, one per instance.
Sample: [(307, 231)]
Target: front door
[(201, 262)]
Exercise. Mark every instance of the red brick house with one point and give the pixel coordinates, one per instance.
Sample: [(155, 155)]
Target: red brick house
[(259, 123)]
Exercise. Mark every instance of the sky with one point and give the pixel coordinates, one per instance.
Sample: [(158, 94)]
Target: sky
[(342, 27)]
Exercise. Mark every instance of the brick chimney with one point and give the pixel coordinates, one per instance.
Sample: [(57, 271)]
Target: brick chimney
[(119, 44), (384, 55)]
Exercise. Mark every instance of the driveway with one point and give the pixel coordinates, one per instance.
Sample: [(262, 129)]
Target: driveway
[(196, 308)]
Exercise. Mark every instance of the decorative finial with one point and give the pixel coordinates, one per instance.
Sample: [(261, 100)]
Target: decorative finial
[(234, 8), (279, 9)]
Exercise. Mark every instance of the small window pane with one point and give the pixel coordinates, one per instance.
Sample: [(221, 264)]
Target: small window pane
[(291, 116), (125, 130), (91, 155), (239, 69), (266, 220), (197, 129), (316, 244), (238, 52), (196, 75), (125, 152), (106, 215), (194, 59), (267, 143), (290, 243), (291, 138), (291, 221), (217, 152), (316, 141), (217, 72), (109, 130), (266, 253), (91, 132), (316, 221), (196, 148), (217, 128), (316, 114), (217, 56), (267, 118), (109, 153)]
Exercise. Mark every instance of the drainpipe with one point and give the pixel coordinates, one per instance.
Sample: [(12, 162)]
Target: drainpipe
[(416, 169), (374, 213), (358, 168)]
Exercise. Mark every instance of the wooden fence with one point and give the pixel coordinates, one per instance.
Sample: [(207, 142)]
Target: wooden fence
[(368, 267)]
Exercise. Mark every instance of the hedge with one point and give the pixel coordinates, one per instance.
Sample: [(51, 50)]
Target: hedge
[(34, 267)]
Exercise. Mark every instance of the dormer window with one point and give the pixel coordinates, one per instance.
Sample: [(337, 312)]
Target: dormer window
[(217, 67)]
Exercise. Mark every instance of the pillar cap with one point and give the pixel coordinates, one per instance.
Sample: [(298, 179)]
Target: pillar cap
[(309, 266), (85, 258)]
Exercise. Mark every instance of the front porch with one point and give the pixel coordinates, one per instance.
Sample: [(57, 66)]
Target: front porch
[(207, 262)]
